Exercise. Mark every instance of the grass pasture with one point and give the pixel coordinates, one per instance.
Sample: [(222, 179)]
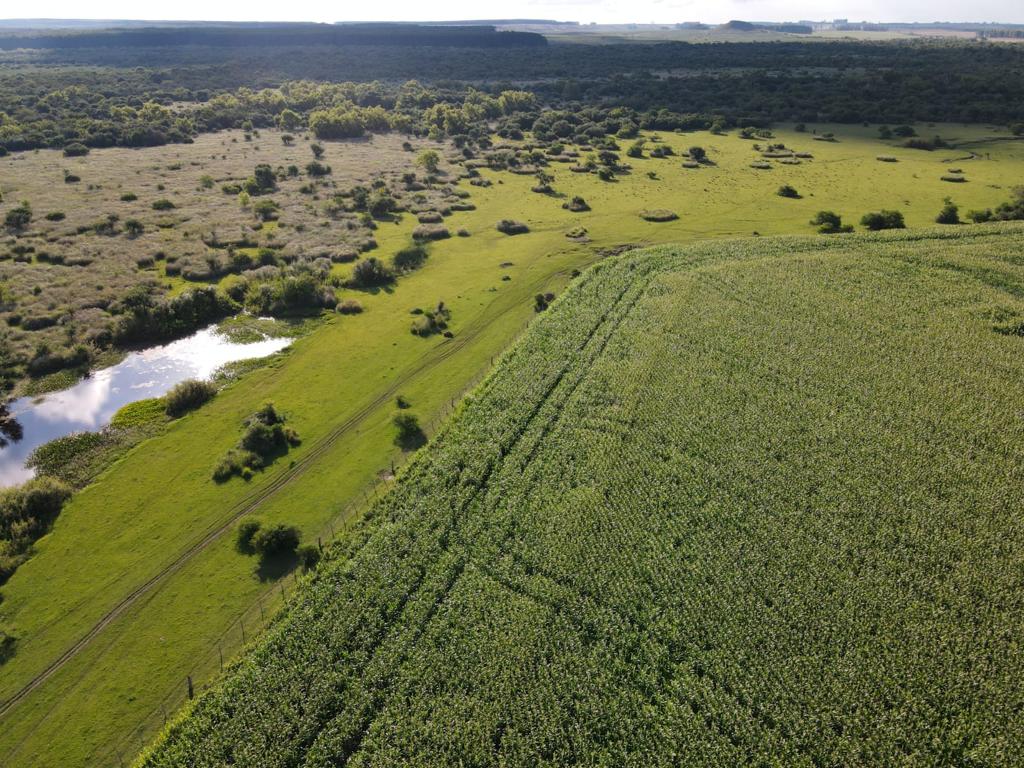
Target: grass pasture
[(735, 503), (158, 502)]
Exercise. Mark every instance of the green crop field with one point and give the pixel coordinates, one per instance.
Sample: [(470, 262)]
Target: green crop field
[(156, 514), (738, 503)]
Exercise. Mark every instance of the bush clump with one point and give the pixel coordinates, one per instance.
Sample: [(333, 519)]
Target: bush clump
[(658, 214), (350, 307), (431, 232), (409, 258), (512, 227), (788, 191), (883, 220), (950, 213), (76, 149), (188, 395), (432, 321), (830, 223), (26, 513), (265, 438), (576, 205), (371, 273)]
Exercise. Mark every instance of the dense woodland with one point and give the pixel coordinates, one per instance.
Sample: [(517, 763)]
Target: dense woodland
[(159, 94)]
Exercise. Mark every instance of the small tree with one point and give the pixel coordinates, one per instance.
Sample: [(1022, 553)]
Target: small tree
[(134, 227), (276, 541), (430, 160), (698, 154), (788, 191), (950, 213), (317, 149)]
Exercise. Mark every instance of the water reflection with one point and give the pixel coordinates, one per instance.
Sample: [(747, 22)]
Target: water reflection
[(90, 404)]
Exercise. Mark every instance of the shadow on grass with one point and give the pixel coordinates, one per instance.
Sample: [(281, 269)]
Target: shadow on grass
[(273, 567), (411, 440)]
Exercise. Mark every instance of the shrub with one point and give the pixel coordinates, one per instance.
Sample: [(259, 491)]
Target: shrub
[(26, 513), (317, 169), (245, 535), (410, 258), (432, 321), (887, 159), (697, 154), (370, 274), (276, 540), (18, 219), (350, 307), (883, 220), (576, 205), (788, 191), (410, 435), (542, 300), (430, 232), (830, 223), (430, 160), (163, 204), (950, 213), (512, 227), (658, 214), (129, 197), (955, 179), (55, 216), (265, 210), (188, 395), (134, 227), (76, 149)]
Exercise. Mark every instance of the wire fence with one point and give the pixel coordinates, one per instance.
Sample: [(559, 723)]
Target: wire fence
[(248, 625)]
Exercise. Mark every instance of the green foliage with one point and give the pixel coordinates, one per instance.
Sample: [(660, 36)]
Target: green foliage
[(163, 204), (512, 227), (76, 149), (409, 258), (26, 513), (265, 438), (950, 213), (17, 219), (430, 160), (336, 123), (276, 541), (883, 220), (789, 191), (830, 223), (371, 273), (188, 395), (432, 321), (245, 535), (642, 510)]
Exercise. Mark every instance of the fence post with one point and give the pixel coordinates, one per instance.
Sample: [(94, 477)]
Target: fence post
[(221, 652), (191, 690)]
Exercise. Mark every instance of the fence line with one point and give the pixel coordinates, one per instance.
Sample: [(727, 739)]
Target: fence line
[(257, 616)]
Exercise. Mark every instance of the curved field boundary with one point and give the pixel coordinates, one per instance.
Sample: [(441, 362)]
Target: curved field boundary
[(255, 500)]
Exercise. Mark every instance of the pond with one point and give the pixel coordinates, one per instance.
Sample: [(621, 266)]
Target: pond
[(92, 402)]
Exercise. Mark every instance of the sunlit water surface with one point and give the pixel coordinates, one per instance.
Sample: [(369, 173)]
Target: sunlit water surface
[(90, 404)]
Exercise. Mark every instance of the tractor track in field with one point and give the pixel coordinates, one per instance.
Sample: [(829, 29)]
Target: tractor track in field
[(252, 502)]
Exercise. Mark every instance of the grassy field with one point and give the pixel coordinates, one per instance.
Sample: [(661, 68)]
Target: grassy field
[(741, 503), (157, 509)]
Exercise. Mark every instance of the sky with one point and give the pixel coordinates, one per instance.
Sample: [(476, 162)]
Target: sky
[(600, 11)]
